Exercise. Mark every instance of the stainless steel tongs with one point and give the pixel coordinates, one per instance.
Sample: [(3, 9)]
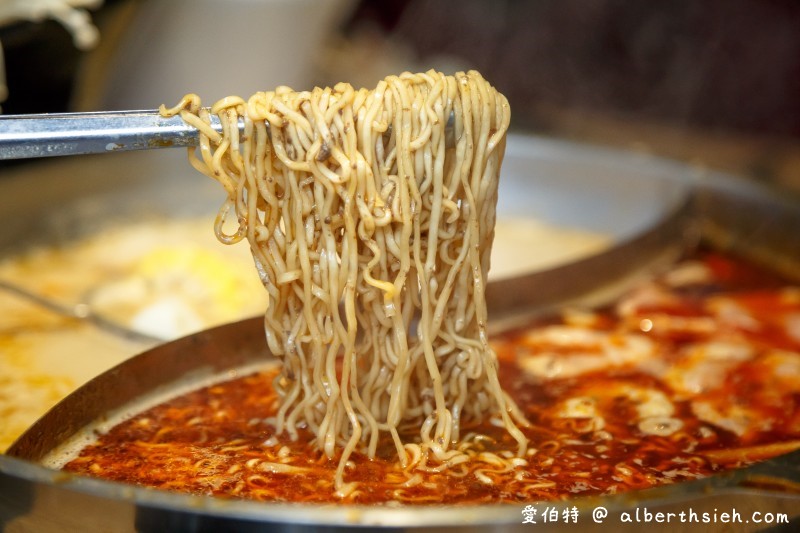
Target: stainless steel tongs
[(54, 134), (46, 135)]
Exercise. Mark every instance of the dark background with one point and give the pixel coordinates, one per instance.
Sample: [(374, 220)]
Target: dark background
[(713, 63)]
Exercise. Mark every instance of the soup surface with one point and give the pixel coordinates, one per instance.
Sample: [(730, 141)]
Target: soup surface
[(690, 373)]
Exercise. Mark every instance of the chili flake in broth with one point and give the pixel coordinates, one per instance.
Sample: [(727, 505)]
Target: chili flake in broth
[(691, 373)]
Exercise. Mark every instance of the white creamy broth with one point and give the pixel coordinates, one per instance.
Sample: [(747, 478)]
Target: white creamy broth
[(526, 244)]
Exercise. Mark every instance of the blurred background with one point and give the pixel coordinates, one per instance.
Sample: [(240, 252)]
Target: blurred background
[(713, 82)]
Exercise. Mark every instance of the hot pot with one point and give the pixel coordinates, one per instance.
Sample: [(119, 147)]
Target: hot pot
[(654, 209)]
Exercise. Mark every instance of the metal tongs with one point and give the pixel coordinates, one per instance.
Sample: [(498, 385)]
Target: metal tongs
[(57, 134)]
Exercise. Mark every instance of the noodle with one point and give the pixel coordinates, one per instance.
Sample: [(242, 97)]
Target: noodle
[(371, 232)]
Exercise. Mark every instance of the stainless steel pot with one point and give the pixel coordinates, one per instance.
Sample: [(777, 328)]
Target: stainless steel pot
[(654, 209)]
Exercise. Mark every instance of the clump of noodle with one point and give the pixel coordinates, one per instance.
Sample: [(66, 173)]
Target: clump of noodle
[(371, 232)]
